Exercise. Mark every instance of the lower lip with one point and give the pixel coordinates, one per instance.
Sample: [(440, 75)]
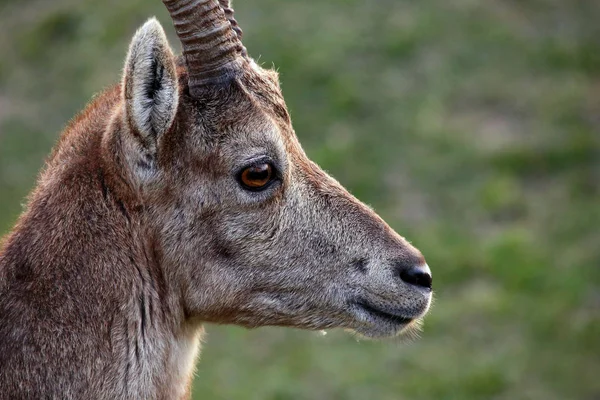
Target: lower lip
[(395, 319)]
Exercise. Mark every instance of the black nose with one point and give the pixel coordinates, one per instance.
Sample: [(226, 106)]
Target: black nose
[(416, 276)]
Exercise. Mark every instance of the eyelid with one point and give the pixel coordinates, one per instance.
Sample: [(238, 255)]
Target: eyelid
[(251, 162)]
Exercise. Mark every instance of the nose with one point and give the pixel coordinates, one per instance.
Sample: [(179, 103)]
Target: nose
[(417, 276)]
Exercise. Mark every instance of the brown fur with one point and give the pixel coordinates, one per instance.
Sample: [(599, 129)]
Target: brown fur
[(134, 237)]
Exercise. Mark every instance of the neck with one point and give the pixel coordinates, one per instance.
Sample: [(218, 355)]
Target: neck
[(85, 277)]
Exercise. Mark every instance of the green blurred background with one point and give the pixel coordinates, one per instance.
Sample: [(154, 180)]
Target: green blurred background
[(473, 128)]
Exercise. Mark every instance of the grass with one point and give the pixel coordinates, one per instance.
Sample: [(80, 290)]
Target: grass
[(472, 127)]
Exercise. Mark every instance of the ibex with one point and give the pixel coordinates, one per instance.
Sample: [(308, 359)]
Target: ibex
[(182, 197)]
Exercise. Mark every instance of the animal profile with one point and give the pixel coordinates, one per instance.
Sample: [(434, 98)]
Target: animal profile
[(179, 197)]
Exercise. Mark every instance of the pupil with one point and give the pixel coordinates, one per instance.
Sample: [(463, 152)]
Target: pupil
[(259, 174)]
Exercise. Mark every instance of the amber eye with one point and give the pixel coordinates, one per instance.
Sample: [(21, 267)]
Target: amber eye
[(257, 177)]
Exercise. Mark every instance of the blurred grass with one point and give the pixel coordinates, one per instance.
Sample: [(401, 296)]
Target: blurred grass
[(472, 127)]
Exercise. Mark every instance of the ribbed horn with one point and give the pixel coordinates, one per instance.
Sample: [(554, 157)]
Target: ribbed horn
[(229, 14), (211, 45)]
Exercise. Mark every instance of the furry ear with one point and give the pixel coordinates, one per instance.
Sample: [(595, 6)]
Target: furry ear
[(150, 89)]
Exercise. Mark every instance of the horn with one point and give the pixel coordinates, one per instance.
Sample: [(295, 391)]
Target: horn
[(229, 14), (226, 5), (211, 44)]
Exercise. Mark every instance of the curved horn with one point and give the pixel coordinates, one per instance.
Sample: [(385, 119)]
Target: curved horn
[(229, 14), (211, 46)]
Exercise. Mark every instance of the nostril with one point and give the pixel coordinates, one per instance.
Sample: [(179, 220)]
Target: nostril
[(416, 276)]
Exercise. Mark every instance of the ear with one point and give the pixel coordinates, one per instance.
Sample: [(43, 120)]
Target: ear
[(150, 90)]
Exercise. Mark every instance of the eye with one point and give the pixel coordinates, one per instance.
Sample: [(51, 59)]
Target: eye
[(257, 177)]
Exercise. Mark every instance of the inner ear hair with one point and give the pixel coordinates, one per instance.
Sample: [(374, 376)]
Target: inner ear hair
[(150, 88)]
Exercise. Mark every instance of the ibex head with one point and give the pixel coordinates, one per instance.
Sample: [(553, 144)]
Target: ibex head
[(252, 231)]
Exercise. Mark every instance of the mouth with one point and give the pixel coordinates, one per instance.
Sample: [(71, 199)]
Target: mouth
[(388, 316)]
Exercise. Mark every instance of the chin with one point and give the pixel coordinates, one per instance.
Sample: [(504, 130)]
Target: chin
[(409, 331)]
